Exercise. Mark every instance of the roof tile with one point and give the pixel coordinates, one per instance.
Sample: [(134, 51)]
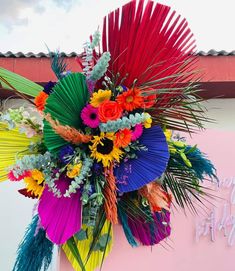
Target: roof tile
[(10, 54)]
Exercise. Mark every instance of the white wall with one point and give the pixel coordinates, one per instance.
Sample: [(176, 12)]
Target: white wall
[(15, 213)]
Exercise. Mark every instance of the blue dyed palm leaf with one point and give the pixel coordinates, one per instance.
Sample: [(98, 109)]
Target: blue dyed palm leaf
[(149, 165)]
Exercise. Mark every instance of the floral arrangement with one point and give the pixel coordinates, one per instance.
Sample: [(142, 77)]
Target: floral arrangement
[(101, 147)]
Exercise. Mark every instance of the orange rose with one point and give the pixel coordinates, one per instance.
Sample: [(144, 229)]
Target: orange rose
[(109, 110)]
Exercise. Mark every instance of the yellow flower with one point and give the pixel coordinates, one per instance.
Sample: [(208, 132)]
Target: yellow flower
[(37, 175), (148, 123), (74, 170), (100, 96), (34, 183), (168, 134), (104, 150)]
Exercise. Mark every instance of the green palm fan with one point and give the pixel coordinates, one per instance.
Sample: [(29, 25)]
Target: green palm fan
[(12, 81), (69, 97)]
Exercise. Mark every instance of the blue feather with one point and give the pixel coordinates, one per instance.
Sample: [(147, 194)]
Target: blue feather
[(123, 219), (58, 64), (200, 164), (35, 251)]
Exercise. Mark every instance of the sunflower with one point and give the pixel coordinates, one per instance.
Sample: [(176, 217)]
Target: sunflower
[(34, 183), (104, 150), (100, 96)]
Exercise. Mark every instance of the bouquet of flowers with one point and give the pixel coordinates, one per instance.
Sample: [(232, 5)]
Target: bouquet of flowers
[(101, 147)]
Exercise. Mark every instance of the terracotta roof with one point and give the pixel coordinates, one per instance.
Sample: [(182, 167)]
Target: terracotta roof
[(10, 54), (216, 53), (218, 72)]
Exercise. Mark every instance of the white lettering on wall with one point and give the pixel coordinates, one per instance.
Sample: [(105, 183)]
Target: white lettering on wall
[(221, 219)]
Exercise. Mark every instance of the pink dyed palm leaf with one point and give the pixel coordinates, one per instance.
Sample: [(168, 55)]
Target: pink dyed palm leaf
[(60, 217)]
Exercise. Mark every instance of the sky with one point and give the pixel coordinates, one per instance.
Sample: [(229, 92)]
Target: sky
[(31, 25)]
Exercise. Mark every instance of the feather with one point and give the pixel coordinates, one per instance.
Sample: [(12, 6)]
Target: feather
[(58, 64), (110, 195), (200, 163), (68, 133), (65, 104), (135, 173), (60, 217), (157, 198), (124, 222), (35, 251)]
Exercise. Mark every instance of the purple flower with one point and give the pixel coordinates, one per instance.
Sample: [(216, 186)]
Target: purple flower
[(65, 154), (97, 168), (48, 87)]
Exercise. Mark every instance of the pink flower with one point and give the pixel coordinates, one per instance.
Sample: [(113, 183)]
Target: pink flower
[(137, 132), (13, 178), (90, 117)]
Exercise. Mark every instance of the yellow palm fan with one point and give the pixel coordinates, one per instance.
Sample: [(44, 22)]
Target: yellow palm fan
[(95, 260), (12, 145)]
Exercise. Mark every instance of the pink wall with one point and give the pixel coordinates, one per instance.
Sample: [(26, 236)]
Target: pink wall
[(182, 252)]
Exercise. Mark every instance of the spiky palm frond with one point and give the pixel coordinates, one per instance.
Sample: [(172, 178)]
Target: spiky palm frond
[(181, 112), (185, 185)]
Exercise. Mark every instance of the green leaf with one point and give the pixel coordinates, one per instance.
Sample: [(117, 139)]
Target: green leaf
[(19, 83), (97, 232), (191, 150), (104, 239), (74, 250), (133, 209), (108, 239), (179, 144), (81, 235), (185, 159)]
